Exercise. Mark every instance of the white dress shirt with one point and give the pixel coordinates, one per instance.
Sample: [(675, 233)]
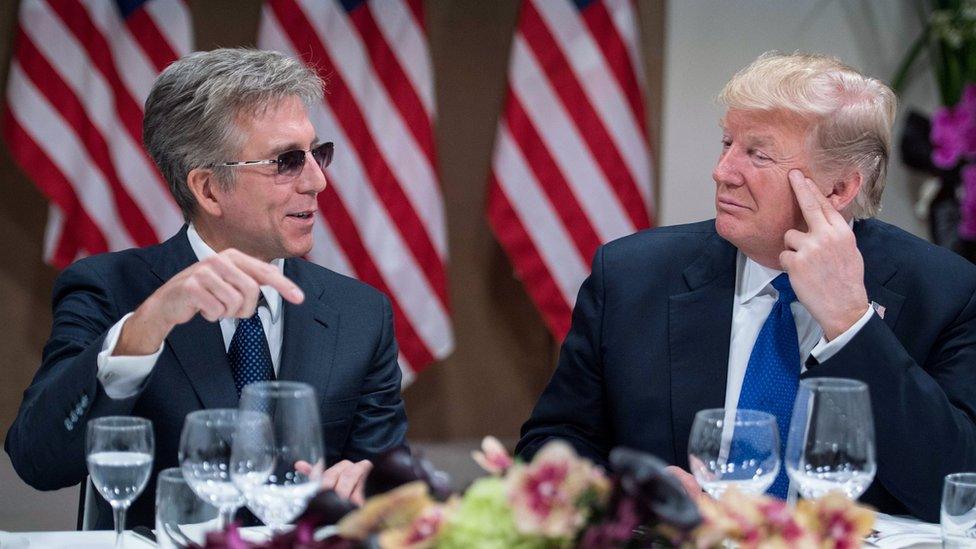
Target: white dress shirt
[(754, 299), (122, 376)]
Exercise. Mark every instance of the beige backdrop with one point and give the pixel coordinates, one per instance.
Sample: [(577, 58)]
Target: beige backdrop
[(503, 353)]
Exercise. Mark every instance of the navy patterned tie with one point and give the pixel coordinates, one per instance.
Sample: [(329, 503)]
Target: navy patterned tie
[(249, 357), (773, 373)]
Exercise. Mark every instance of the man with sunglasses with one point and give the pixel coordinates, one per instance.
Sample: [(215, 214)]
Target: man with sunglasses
[(162, 331)]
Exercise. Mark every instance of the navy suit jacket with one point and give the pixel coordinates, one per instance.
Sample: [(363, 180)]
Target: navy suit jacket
[(340, 340), (649, 347)]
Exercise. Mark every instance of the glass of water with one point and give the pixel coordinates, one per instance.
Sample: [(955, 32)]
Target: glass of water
[(734, 448), (278, 456), (831, 442), (120, 456), (959, 511), (204, 454), (181, 516)]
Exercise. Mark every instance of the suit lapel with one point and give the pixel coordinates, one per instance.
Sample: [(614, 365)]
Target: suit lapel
[(197, 344), (700, 325), (310, 333), (879, 268)]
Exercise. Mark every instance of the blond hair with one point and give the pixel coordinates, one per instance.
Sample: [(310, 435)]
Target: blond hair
[(849, 114)]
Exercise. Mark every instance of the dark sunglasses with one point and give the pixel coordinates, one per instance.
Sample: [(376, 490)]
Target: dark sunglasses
[(290, 163)]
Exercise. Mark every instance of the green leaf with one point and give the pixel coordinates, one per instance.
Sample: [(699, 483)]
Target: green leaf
[(901, 75)]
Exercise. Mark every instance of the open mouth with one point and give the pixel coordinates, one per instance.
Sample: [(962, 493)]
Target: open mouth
[(301, 215)]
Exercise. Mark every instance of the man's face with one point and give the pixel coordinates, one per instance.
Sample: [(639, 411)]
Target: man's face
[(265, 214), (754, 202)]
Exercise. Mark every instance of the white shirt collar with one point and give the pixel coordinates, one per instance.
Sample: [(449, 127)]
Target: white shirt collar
[(203, 250), (755, 278)]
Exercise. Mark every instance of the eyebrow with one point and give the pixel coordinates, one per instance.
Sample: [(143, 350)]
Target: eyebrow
[(292, 147)]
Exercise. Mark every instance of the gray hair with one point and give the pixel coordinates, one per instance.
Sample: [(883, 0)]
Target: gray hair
[(850, 114), (192, 108)]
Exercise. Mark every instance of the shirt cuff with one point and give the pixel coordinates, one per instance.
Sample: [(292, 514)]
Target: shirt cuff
[(826, 349), (122, 376)]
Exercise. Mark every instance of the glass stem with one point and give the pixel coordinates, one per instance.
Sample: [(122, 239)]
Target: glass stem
[(118, 511), (226, 517)]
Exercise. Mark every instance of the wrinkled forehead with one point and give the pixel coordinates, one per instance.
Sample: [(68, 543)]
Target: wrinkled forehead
[(766, 121), (780, 128)]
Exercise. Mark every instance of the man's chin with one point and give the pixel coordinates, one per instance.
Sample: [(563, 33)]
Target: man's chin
[(728, 227), (298, 249)]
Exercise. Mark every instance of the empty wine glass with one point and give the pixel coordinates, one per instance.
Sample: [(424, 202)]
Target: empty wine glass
[(831, 441), (734, 448), (182, 517), (958, 514), (278, 457), (205, 447), (119, 453)]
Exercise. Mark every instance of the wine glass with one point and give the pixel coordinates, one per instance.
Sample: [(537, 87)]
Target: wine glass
[(958, 513), (831, 441), (180, 513), (734, 448), (205, 447), (278, 456), (119, 453)]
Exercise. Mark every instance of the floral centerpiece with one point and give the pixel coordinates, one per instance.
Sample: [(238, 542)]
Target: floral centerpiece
[(558, 500)]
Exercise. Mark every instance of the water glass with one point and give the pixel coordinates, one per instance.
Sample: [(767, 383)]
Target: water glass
[(181, 516), (959, 511), (278, 456), (205, 447), (119, 452), (734, 448), (831, 441)]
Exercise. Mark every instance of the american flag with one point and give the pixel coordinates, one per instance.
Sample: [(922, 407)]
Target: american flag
[(382, 214), (79, 76), (571, 166)]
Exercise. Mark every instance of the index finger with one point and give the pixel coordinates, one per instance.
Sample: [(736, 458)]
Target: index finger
[(809, 199), (268, 275)]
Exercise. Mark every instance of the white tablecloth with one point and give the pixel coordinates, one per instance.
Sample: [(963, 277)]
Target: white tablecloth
[(102, 538), (893, 533)]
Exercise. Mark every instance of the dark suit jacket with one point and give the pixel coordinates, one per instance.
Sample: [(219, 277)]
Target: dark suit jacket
[(339, 340), (649, 347)]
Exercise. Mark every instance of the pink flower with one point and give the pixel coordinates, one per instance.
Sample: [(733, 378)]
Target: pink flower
[(549, 495), (948, 136), (423, 531), (493, 456), (953, 133)]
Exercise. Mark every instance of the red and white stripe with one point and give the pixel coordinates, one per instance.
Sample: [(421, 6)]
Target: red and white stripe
[(78, 80), (571, 167), (382, 214)]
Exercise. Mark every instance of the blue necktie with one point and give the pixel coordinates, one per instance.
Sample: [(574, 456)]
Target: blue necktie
[(773, 373), (249, 357)]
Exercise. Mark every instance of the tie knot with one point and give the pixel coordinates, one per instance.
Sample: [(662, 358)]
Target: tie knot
[(782, 285)]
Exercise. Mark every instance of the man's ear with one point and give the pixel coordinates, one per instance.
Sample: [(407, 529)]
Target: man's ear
[(845, 190), (203, 184)]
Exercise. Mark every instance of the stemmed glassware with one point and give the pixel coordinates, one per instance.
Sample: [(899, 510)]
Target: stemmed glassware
[(205, 450), (278, 456), (180, 511), (958, 513), (831, 440), (734, 448), (119, 453)]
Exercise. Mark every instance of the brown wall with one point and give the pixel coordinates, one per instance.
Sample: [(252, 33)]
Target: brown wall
[(503, 353)]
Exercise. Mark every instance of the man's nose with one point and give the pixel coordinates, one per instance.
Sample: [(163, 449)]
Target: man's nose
[(312, 179), (726, 169)]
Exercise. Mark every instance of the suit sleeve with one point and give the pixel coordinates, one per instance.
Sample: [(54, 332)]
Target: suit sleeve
[(572, 407), (380, 421), (924, 414), (46, 442)]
